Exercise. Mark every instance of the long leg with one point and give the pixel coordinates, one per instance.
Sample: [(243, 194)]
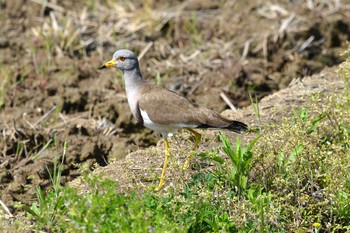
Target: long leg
[(167, 156), (198, 138)]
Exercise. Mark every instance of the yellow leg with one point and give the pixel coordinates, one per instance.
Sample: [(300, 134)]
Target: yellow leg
[(197, 137), (167, 156)]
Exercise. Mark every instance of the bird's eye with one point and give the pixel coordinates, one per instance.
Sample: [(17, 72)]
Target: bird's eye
[(121, 59)]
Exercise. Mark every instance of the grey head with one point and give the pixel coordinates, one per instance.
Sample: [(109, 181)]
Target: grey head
[(124, 60)]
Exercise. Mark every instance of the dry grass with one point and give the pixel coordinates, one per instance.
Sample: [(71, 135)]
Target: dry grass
[(178, 33)]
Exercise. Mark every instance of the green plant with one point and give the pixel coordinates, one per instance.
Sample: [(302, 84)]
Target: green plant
[(285, 162), (191, 27), (342, 205), (158, 78), (256, 108), (311, 124), (41, 66), (261, 203), (240, 158), (344, 71), (296, 163), (50, 205)]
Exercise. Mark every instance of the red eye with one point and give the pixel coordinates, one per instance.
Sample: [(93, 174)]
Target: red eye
[(121, 58)]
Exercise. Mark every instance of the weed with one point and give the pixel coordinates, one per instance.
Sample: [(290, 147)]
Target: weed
[(158, 78), (297, 163), (20, 149), (261, 203), (191, 27), (256, 108), (41, 66), (240, 158), (344, 70), (50, 205)]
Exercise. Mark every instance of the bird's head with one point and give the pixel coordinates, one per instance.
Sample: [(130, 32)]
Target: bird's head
[(123, 59)]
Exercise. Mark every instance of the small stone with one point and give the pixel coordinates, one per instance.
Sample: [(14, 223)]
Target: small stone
[(4, 43)]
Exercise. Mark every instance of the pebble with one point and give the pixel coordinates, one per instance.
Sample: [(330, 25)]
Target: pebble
[(4, 43)]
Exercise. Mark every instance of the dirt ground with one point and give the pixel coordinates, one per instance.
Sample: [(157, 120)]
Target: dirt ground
[(214, 53)]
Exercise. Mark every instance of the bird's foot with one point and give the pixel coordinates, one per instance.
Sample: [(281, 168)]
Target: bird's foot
[(188, 161), (160, 186)]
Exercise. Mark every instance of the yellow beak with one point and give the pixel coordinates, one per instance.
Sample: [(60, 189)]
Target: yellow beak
[(109, 64)]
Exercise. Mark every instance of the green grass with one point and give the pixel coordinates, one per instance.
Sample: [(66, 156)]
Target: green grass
[(293, 178)]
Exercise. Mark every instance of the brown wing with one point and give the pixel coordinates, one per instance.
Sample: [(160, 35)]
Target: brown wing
[(168, 108)]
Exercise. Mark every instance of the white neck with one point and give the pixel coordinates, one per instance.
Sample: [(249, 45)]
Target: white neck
[(133, 86)]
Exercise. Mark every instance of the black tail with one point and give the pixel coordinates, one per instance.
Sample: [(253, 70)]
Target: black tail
[(235, 126)]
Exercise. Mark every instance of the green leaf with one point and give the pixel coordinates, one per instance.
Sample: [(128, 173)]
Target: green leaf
[(293, 156), (211, 156), (303, 114), (33, 210), (252, 143), (315, 121)]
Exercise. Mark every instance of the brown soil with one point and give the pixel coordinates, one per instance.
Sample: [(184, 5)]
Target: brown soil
[(53, 92)]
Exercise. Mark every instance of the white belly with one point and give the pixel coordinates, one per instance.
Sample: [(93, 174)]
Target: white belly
[(164, 130)]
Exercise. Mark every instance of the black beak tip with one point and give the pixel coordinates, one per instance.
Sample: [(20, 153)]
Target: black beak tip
[(102, 67)]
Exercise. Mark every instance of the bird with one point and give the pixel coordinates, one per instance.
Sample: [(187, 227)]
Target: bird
[(164, 111)]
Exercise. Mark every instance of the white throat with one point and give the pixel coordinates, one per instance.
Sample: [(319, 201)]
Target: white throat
[(133, 87)]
